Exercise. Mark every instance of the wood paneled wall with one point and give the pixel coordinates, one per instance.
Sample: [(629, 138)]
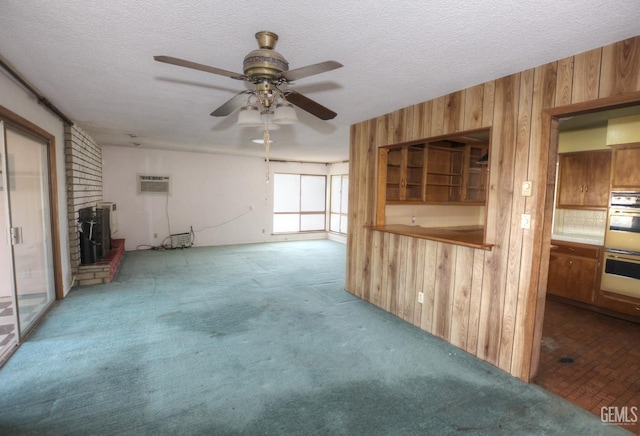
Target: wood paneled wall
[(489, 303)]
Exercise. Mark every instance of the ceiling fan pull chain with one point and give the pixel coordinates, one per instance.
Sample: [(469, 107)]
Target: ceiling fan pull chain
[(266, 140)]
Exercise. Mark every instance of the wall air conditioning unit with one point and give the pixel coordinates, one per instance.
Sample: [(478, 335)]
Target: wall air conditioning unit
[(181, 240), (154, 184), (113, 215)]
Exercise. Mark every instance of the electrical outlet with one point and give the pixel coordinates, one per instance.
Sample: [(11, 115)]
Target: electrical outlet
[(155, 236), (525, 221), (527, 188), (420, 297)]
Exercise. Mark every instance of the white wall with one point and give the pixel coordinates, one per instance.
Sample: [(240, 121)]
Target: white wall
[(225, 198), (339, 168), (336, 169), (19, 101), (434, 215)]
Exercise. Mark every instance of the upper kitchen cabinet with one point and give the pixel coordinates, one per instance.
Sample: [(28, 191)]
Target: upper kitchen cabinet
[(626, 167), (583, 179)]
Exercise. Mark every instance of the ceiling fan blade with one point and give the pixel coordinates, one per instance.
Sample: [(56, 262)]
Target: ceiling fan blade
[(201, 67), (309, 105), (235, 102), (310, 70)]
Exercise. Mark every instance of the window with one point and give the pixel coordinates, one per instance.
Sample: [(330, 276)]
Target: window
[(299, 203), (339, 202)]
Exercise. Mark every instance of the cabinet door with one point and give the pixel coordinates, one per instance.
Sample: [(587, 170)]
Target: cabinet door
[(557, 280), (414, 186), (475, 180), (395, 183), (583, 179), (572, 277), (596, 182), (444, 174), (571, 179), (405, 176), (626, 167)]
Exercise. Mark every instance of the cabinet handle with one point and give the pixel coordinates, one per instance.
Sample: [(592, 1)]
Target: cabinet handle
[(586, 188)]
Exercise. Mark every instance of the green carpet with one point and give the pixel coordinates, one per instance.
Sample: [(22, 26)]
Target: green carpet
[(257, 339)]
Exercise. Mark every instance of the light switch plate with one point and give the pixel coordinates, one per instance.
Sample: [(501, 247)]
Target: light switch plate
[(527, 187)]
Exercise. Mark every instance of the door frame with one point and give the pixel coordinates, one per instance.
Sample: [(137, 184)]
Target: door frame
[(15, 120), (550, 134)]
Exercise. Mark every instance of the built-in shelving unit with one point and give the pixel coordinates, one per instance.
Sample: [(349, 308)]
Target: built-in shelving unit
[(441, 171)]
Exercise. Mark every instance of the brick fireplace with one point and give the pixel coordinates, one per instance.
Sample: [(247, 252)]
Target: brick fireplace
[(83, 162)]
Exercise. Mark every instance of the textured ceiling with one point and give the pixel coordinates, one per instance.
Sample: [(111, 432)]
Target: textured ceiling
[(94, 60)]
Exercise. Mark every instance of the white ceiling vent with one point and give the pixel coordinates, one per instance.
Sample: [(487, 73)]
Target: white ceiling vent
[(154, 184)]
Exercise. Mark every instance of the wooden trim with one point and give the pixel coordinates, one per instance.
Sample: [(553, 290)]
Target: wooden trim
[(586, 107), (50, 139), (381, 194), (533, 265)]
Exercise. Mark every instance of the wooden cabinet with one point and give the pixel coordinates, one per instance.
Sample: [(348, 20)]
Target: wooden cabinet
[(619, 303), (574, 274), (625, 167), (444, 173), (433, 173), (574, 271), (403, 170), (476, 175), (583, 179)]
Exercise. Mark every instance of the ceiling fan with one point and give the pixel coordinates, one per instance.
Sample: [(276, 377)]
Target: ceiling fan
[(268, 70)]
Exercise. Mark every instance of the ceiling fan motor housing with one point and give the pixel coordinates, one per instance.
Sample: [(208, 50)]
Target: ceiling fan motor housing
[(265, 63)]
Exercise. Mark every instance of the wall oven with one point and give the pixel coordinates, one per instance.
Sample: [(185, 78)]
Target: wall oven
[(621, 266), (621, 273)]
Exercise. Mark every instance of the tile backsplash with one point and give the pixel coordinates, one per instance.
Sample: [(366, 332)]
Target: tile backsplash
[(578, 222)]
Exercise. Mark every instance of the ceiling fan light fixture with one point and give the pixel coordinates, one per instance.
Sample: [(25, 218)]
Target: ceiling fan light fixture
[(249, 116), (267, 70), (285, 114)]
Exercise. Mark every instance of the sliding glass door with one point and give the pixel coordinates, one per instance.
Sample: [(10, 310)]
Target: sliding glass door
[(27, 285)]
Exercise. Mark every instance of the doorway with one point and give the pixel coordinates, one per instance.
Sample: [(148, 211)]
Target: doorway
[(587, 357), (27, 266)]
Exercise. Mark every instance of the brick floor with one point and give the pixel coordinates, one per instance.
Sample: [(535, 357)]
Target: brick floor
[(605, 371)]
